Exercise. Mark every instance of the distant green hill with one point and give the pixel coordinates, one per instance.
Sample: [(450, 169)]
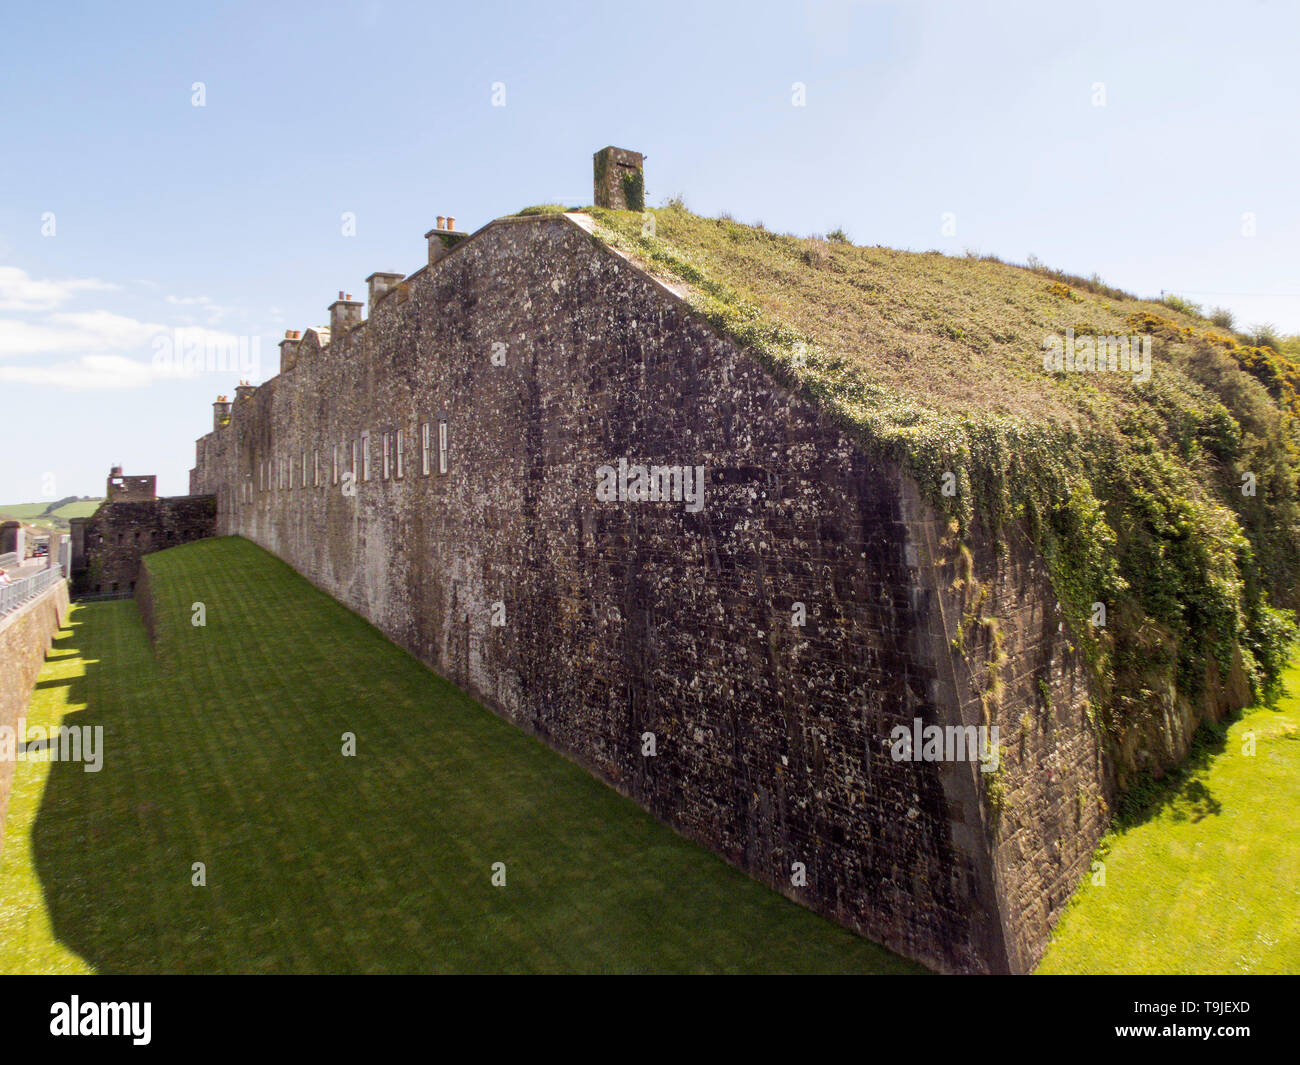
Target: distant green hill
[(53, 515), (22, 511), (81, 508)]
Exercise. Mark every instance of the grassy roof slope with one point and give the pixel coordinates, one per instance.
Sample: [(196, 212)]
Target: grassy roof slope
[(1138, 492)]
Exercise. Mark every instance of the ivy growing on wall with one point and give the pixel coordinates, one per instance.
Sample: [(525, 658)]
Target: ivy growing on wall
[(1126, 512)]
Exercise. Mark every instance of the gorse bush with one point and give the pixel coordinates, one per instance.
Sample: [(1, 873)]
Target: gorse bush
[(1264, 335), (1183, 306), (1222, 317)]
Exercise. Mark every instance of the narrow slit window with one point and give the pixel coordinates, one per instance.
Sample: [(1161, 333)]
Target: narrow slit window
[(397, 438), (334, 464), (424, 450), (442, 445), (365, 456), (388, 458)]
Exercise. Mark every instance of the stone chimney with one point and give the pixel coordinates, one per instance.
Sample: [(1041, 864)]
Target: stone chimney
[(442, 238), (619, 179), (345, 312), (289, 349), (220, 412), (243, 390), (380, 283)]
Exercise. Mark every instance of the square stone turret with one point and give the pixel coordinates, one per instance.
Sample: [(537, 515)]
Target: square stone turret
[(220, 412), (442, 238), (345, 312), (619, 179), (289, 349), (381, 282), (122, 489)]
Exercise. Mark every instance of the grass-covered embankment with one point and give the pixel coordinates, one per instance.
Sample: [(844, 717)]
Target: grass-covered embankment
[(1169, 498), (225, 748)]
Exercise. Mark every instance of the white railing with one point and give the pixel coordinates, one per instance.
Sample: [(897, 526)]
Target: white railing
[(16, 593)]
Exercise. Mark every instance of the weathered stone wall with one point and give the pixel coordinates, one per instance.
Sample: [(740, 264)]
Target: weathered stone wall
[(1014, 668), (25, 636), (130, 489), (549, 357), (118, 535)]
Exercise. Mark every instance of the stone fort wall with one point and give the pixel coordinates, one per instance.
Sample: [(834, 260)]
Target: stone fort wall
[(592, 623), (26, 634), (108, 545)]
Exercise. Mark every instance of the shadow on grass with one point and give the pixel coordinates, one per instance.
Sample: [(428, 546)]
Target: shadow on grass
[(381, 866), (1185, 798), (1176, 791), (83, 841)]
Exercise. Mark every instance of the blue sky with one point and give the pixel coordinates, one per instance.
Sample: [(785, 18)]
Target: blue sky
[(126, 212)]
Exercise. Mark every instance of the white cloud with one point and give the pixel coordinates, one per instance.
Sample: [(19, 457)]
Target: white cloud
[(19, 292), (90, 331), (97, 342), (214, 312), (213, 352), (105, 350), (89, 372)]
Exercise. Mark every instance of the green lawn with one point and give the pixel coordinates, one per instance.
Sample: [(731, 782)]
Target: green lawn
[(22, 511), (225, 749), (81, 508), (1211, 882)]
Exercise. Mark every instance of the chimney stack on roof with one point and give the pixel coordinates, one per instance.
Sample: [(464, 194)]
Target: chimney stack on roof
[(619, 179), (289, 349), (442, 238), (382, 282), (220, 412), (345, 312)]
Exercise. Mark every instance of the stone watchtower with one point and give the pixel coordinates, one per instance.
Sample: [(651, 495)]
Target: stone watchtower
[(619, 179)]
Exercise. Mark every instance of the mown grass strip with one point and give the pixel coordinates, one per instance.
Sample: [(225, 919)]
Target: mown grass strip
[(223, 746), (1210, 881)]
